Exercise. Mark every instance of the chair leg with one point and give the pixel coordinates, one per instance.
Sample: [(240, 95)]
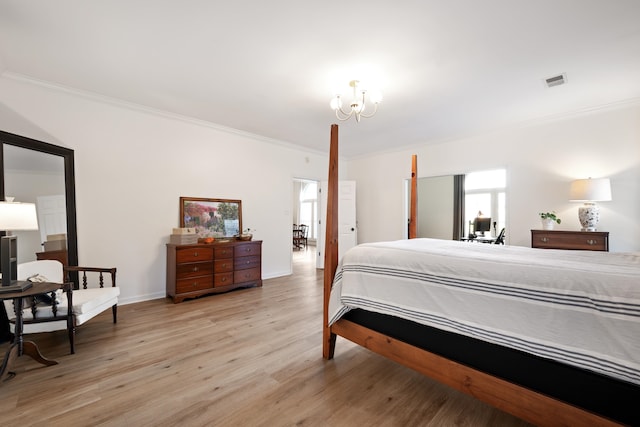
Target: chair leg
[(71, 331), (114, 309)]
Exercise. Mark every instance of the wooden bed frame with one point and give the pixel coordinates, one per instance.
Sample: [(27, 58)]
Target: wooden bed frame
[(522, 402)]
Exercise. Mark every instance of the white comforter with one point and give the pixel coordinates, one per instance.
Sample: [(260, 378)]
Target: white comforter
[(577, 307)]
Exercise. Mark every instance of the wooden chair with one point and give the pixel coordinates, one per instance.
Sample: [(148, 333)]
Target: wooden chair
[(304, 230), (86, 301), (298, 238)]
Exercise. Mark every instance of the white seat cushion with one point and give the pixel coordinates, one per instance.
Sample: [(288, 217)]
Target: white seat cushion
[(87, 303), (87, 300)]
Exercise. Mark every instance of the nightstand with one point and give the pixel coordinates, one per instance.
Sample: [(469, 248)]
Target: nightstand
[(578, 240)]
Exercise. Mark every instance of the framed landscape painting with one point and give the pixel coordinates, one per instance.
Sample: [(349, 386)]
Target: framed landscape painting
[(211, 217)]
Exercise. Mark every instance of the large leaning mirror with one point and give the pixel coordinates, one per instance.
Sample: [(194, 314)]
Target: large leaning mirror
[(25, 166), (41, 173)]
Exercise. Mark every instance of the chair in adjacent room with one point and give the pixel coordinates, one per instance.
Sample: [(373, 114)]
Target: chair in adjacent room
[(298, 237), (87, 301), (304, 229), (500, 239)]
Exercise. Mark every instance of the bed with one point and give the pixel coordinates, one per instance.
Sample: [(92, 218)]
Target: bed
[(573, 360)]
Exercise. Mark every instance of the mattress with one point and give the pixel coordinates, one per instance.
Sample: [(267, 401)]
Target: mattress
[(581, 308)]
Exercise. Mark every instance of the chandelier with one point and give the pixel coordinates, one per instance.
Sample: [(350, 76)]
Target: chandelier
[(357, 104)]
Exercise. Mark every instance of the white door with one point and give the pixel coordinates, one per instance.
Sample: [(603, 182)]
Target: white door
[(52, 215), (347, 228)]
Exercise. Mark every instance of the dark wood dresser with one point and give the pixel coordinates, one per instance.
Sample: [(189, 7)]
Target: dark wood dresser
[(195, 270), (59, 255), (580, 240)]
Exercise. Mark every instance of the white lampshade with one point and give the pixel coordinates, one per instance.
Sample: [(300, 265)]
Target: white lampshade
[(590, 190), (18, 216)]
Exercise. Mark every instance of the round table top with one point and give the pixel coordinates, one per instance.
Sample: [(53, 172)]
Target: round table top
[(36, 289)]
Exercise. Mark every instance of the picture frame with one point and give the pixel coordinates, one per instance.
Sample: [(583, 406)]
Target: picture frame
[(217, 218)]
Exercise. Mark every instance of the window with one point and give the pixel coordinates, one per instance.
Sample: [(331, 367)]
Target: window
[(485, 196)]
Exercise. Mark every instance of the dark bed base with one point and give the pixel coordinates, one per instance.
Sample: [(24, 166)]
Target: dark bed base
[(613, 399)]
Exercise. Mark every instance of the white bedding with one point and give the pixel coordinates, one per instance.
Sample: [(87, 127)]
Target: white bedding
[(577, 307)]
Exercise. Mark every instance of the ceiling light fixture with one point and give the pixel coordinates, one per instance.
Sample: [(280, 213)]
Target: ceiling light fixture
[(357, 105)]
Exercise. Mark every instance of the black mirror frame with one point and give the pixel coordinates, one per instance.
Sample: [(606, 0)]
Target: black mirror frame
[(69, 182)]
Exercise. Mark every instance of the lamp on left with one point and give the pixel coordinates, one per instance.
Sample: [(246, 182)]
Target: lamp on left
[(14, 216)]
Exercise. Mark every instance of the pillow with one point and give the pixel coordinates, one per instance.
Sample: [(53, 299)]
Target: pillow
[(44, 298)]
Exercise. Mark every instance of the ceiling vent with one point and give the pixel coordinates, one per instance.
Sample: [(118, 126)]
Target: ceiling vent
[(556, 80)]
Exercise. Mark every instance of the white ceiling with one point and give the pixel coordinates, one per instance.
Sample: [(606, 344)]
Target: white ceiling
[(446, 68)]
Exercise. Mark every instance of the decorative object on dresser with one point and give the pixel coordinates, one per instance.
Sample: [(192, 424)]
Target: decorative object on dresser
[(590, 191), (579, 240), (183, 236), (549, 220), (201, 269), (55, 242), (246, 235), (217, 218)]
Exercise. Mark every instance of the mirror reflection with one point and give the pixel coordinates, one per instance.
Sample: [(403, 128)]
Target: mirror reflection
[(36, 177), (450, 207)]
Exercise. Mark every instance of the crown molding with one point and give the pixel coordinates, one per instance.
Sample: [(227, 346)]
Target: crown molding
[(97, 97)]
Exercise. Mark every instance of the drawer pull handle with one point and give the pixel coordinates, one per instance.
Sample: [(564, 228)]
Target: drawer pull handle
[(544, 239), (195, 254), (195, 269), (592, 242), (195, 284), (224, 279), (248, 262)]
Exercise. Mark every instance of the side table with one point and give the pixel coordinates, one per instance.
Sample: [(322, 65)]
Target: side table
[(20, 347)]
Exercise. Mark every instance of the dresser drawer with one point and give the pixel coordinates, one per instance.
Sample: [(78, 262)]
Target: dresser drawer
[(194, 284), (248, 275), (193, 254), (223, 265), (577, 240), (244, 262), (194, 269), (247, 249), (223, 279), (223, 252)]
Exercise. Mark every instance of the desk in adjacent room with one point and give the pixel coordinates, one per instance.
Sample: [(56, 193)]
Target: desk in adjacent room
[(479, 239)]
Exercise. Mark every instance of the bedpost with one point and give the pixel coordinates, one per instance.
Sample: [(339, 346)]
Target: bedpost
[(331, 244), (413, 207)]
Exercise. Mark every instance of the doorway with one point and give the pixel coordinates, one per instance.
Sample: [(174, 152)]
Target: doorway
[(305, 212)]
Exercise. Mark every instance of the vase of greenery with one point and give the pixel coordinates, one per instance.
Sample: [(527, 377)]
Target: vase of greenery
[(549, 220)]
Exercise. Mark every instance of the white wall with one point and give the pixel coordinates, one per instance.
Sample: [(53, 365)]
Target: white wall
[(132, 165), (541, 159)]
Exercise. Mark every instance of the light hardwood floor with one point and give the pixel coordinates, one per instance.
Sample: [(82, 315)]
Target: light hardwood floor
[(250, 357)]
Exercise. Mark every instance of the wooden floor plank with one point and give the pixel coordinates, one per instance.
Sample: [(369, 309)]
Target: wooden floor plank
[(251, 357)]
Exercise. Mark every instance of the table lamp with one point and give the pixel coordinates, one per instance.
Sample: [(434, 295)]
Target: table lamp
[(14, 216), (590, 191)]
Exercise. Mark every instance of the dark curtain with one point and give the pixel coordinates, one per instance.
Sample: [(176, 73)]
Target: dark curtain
[(458, 206)]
